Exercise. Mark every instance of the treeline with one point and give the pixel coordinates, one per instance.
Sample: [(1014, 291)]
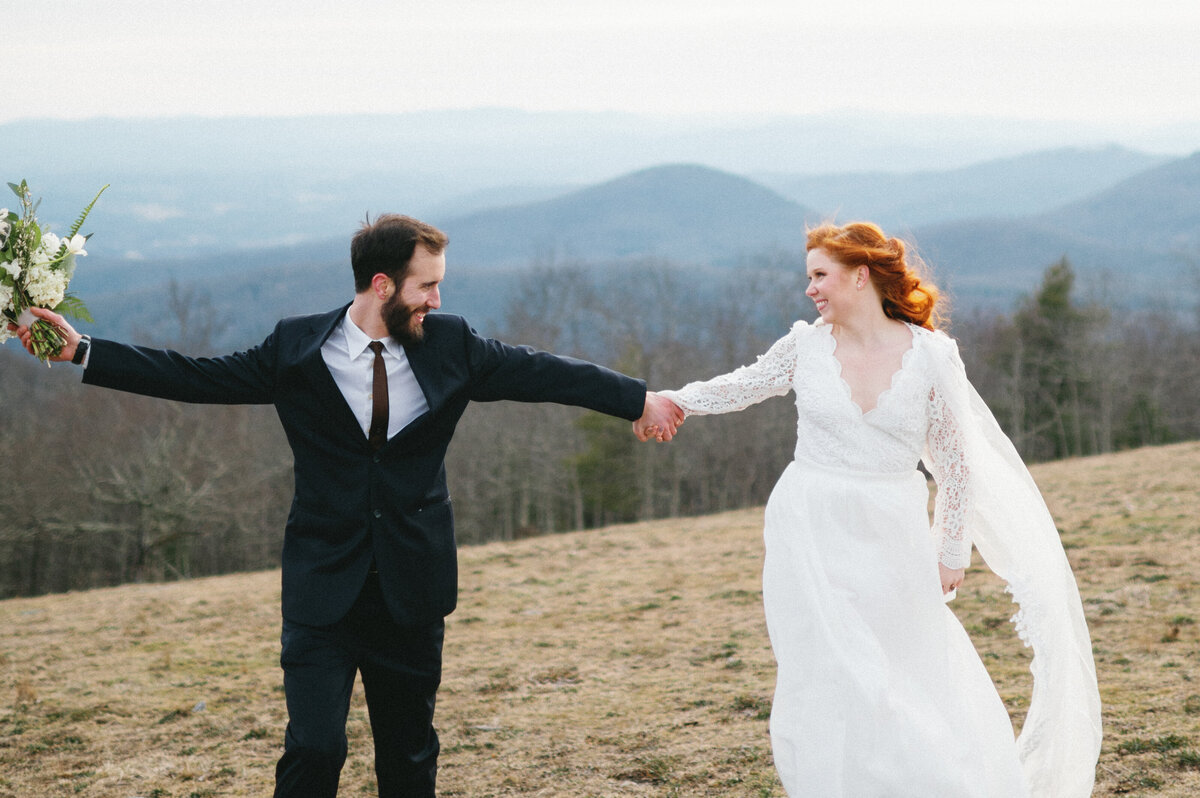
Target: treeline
[(1067, 379), (102, 488)]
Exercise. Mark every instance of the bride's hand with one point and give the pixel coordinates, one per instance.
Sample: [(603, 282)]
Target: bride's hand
[(952, 578)]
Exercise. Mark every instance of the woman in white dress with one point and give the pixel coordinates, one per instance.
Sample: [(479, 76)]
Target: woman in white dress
[(879, 691)]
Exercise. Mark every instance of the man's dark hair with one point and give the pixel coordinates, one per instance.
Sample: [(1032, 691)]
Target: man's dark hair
[(386, 246)]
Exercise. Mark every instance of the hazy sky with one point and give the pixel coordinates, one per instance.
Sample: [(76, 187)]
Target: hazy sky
[(1092, 60)]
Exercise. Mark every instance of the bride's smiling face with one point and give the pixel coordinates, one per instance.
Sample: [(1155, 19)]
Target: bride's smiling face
[(831, 285)]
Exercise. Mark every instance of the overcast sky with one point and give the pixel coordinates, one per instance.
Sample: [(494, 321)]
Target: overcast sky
[(1093, 60)]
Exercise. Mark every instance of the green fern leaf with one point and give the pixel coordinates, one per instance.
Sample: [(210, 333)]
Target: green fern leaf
[(73, 307), (84, 213)]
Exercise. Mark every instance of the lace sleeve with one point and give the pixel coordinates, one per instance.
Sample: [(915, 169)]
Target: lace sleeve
[(771, 375), (945, 450)]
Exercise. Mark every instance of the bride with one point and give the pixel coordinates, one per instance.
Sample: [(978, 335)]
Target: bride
[(879, 691)]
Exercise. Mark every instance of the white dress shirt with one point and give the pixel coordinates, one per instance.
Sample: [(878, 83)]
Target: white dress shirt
[(352, 363)]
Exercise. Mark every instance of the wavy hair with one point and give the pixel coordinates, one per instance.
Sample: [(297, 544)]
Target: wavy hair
[(897, 273), (386, 246)]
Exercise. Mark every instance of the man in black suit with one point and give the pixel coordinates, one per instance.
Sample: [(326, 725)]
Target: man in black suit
[(369, 396)]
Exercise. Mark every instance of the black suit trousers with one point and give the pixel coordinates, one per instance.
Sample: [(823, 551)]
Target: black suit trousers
[(401, 670)]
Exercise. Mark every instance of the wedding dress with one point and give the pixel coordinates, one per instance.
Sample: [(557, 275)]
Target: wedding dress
[(879, 691)]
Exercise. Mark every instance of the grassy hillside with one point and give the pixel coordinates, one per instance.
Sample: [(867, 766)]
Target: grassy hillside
[(631, 660)]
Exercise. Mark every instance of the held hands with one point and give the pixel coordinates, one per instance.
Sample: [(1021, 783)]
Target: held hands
[(952, 578), (660, 419), (68, 333)]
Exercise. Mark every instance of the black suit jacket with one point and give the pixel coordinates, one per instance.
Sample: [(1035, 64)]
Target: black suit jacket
[(352, 504)]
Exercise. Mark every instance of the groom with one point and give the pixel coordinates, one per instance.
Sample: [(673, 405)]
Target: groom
[(369, 395)]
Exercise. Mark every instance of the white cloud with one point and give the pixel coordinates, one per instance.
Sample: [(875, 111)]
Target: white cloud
[(155, 212)]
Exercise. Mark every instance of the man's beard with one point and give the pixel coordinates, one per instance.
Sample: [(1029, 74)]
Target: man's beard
[(401, 321)]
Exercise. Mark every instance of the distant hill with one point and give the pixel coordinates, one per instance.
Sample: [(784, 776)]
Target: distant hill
[(1157, 210), (469, 149), (993, 262), (705, 218), (1007, 187), (185, 187), (500, 197), (683, 212), (1150, 221)]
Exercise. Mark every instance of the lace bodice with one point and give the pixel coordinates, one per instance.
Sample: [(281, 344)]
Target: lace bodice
[(910, 421)]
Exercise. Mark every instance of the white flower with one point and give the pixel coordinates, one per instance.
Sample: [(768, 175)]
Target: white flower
[(75, 245), (46, 287), (6, 295), (14, 268), (37, 271), (48, 249)]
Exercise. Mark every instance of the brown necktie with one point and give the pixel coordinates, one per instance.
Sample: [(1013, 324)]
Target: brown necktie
[(379, 399)]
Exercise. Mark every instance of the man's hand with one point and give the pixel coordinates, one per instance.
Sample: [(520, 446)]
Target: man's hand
[(660, 419), (68, 333)]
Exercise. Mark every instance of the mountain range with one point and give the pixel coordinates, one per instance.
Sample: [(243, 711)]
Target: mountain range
[(682, 212), (1020, 185), (234, 209), (703, 218), (183, 187)]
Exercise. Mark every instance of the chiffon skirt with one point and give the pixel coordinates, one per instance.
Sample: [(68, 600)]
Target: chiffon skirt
[(879, 693)]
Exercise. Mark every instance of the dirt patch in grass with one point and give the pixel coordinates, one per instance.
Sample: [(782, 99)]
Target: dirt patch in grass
[(631, 660)]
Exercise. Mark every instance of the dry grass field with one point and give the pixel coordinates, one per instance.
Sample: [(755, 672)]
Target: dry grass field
[(631, 661)]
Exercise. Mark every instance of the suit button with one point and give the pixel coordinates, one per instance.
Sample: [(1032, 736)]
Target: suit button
[(379, 513), (375, 459)]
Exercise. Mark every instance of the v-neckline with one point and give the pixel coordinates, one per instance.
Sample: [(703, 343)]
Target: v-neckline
[(837, 368)]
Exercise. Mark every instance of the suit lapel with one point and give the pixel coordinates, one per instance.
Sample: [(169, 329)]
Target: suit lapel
[(424, 382), (425, 359), (312, 363)]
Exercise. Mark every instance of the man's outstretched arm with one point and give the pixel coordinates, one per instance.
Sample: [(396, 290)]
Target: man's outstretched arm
[(241, 378)]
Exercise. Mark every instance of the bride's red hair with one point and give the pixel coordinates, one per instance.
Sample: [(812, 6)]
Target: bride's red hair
[(897, 274)]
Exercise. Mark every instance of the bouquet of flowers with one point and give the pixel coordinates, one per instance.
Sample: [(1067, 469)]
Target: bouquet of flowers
[(35, 268)]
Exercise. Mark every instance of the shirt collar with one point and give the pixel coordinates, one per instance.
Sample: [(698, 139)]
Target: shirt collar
[(358, 341)]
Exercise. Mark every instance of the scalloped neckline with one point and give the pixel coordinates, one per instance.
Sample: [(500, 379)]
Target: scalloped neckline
[(886, 392)]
